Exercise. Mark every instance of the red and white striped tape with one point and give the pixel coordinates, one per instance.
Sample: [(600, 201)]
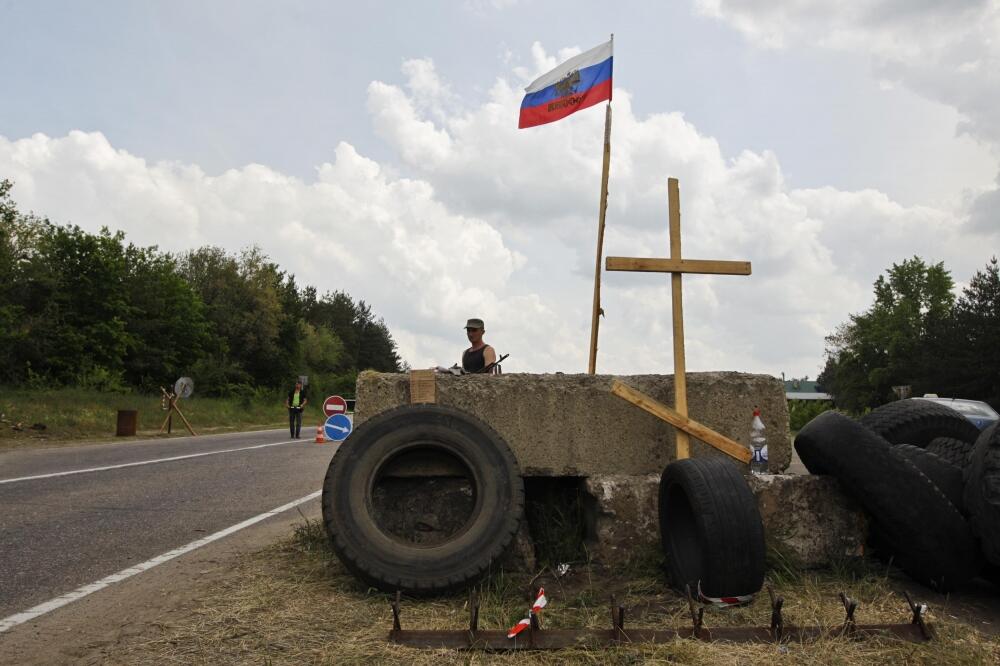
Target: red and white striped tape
[(539, 604), (724, 602)]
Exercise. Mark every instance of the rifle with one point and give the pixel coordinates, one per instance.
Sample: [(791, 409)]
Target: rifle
[(489, 368)]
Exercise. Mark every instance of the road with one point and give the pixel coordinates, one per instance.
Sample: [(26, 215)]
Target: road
[(72, 516)]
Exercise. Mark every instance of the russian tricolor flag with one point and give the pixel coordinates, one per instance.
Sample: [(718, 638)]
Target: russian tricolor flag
[(581, 81)]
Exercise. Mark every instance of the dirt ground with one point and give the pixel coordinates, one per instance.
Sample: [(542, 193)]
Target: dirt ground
[(291, 602)]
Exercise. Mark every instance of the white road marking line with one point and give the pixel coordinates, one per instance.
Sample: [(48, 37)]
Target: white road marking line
[(143, 462), (79, 593)]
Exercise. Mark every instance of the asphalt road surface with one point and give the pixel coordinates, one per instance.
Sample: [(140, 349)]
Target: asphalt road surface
[(60, 531)]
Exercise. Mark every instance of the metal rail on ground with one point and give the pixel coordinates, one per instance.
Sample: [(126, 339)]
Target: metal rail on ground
[(536, 638)]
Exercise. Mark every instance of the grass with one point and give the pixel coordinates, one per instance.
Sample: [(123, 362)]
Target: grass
[(72, 415), (294, 603)]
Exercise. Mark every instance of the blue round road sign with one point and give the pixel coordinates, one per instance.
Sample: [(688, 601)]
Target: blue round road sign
[(337, 427)]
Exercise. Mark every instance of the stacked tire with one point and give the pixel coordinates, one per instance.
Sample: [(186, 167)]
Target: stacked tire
[(982, 492), (923, 474)]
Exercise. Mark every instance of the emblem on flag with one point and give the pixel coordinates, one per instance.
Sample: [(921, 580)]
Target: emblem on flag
[(581, 81)]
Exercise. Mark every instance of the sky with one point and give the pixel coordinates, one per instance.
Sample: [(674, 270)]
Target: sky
[(373, 147)]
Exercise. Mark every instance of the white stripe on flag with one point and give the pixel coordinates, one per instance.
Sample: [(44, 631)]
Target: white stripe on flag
[(585, 59)]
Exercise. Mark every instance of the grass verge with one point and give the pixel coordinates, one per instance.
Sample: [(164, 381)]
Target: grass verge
[(294, 603), (74, 415)]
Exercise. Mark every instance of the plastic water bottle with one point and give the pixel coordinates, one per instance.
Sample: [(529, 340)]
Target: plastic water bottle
[(758, 444)]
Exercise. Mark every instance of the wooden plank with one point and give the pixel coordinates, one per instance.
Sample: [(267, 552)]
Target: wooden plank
[(423, 386), (183, 418), (672, 265), (693, 428), (677, 314)]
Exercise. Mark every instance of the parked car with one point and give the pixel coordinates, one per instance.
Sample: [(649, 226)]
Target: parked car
[(979, 413)]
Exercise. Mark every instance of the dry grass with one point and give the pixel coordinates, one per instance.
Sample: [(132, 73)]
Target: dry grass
[(294, 603), (74, 415)]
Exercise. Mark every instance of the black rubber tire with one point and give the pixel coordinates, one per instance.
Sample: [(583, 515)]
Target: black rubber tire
[(920, 528), (710, 528), (955, 451), (982, 491), (917, 422), (391, 564), (944, 475)]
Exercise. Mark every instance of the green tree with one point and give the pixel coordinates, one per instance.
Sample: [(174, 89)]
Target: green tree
[(321, 349), (166, 326), (85, 309), (10, 257), (243, 320), (73, 306), (976, 343), (886, 345), (337, 312), (367, 342)]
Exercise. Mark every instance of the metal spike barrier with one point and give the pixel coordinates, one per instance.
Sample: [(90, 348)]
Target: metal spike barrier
[(536, 638)]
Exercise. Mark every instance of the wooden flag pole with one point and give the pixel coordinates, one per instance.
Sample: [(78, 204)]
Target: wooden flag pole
[(596, 315)]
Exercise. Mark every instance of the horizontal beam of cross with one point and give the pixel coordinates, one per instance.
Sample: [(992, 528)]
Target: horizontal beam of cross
[(653, 265)]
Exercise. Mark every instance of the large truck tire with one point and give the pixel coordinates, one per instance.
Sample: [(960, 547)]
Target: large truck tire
[(915, 523), (917, 422), (982, 491), (710, 528), (946, 476), (443, 462), (955, 451)]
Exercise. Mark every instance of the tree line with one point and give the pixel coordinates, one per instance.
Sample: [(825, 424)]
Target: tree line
[(83, 309), (918, 333)]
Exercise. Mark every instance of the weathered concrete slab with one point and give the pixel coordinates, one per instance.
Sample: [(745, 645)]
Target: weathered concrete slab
[(571, 425), (808, 521), (625, 519)]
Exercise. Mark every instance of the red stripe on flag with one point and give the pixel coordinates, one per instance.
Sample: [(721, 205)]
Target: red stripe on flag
[(564, 106)]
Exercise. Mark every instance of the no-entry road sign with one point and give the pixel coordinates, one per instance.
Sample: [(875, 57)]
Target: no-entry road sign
[(334, 405), (337, 427)]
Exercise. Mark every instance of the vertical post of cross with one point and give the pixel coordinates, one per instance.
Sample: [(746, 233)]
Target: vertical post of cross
[(677, 302)]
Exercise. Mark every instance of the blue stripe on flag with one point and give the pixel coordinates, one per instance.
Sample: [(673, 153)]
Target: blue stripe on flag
[(589, 77)]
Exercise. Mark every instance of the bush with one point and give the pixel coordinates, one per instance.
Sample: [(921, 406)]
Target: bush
[(801, 412)]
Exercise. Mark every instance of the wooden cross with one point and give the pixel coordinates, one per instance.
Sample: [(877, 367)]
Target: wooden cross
[(677, 266)]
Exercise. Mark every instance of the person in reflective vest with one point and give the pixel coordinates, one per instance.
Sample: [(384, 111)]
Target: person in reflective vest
[(296, 402)]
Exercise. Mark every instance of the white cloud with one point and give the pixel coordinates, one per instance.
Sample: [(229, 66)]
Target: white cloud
[(948, 52), (495, 222)]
